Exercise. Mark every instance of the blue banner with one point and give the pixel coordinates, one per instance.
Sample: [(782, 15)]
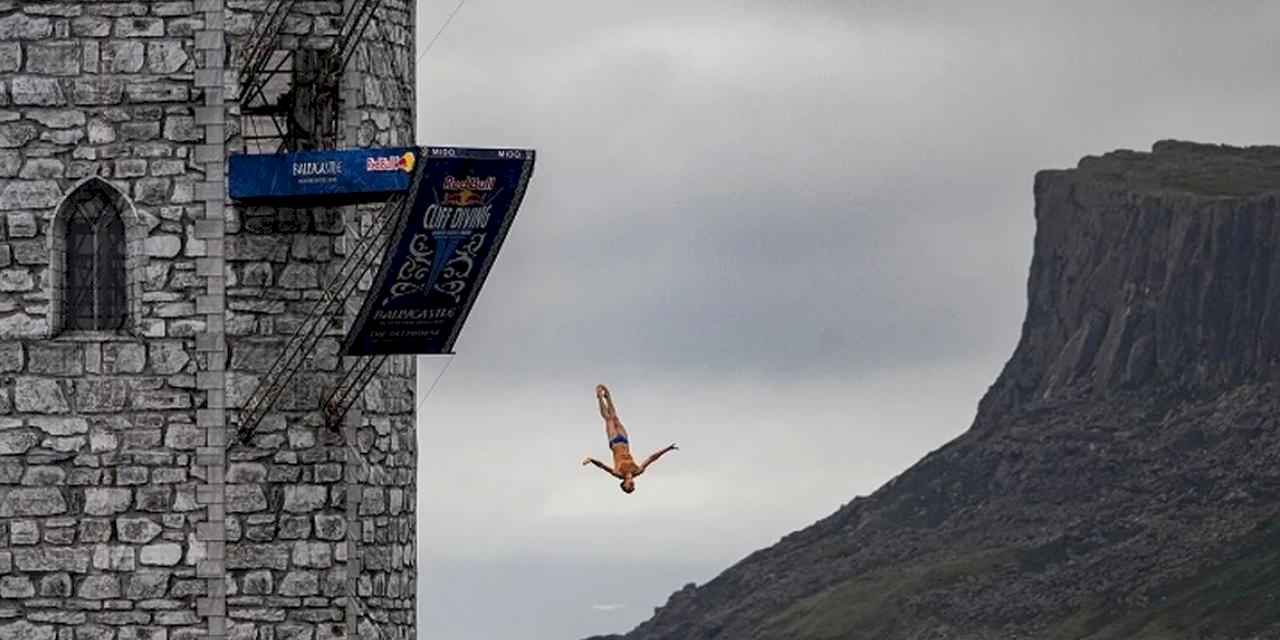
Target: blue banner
[(340, 177), (441, 250)]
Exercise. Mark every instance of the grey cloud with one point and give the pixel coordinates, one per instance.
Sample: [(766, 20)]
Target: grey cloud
[(508, 598), (704, 204), (510, 520), (510, 453), (794, 235)]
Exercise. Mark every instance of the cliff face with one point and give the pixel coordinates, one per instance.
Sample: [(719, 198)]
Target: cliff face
[(1150, 271), (1120, 479)]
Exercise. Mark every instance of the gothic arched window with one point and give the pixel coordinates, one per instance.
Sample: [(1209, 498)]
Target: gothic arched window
[(91, 238)]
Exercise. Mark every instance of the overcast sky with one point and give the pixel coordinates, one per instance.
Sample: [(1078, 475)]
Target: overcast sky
[(793, 238)]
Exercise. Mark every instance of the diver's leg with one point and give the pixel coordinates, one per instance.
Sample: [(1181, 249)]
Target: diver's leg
[(605, 401), (613, 429), (612, 425)]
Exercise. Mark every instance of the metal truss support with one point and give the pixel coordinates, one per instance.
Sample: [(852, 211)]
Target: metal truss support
[(306, 116), (349, 388), (366, 254), (260, 49), (263, 61), (354, 24)]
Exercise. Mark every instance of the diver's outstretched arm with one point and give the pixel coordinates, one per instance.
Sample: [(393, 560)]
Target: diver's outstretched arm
[(604, 467), (654, 458)]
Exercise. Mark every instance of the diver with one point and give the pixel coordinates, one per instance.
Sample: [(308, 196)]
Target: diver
[(624, 466)]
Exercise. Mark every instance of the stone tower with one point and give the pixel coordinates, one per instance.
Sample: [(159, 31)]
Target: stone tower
[(140, 308)]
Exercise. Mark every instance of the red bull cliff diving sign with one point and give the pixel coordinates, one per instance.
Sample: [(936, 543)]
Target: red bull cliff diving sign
[(460, 206)]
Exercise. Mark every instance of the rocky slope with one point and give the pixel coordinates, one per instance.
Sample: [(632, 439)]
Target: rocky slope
[(1122, 476)]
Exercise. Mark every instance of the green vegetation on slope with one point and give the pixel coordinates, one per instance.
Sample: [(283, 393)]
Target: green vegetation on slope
[(1236, 599), (873, 605)]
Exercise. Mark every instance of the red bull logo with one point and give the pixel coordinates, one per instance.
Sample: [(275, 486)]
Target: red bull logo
[(470, 183), (467, 192), (391, 163)]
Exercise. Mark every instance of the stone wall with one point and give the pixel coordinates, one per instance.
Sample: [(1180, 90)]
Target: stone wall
[(123, 513), (380, 108), (386, 511), (286, 520), (99, 477), (379, 103), (327, 542)]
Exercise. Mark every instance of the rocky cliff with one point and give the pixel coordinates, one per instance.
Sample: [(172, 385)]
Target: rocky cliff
[(1120, 479)]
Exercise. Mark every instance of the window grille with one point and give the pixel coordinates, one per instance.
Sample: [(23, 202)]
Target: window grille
[(95, 262)]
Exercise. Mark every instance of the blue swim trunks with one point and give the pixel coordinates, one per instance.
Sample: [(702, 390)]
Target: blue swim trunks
[(619, 439)]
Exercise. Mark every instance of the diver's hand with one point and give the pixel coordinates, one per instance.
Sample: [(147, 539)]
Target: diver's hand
[(586, 461)]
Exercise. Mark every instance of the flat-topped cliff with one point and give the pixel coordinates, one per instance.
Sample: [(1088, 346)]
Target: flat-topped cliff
[(1122, 476)]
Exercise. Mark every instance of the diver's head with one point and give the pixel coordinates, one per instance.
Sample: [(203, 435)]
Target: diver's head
[(628, 485)]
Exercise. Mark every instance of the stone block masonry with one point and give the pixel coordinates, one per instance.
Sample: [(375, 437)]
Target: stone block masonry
[(343, 544), (379, 110), (101, 469), (123, 512)]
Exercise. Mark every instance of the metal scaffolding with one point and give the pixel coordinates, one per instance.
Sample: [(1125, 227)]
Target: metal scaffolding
[(365, 254), (350, 34), (306, 114), (263, 61)]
